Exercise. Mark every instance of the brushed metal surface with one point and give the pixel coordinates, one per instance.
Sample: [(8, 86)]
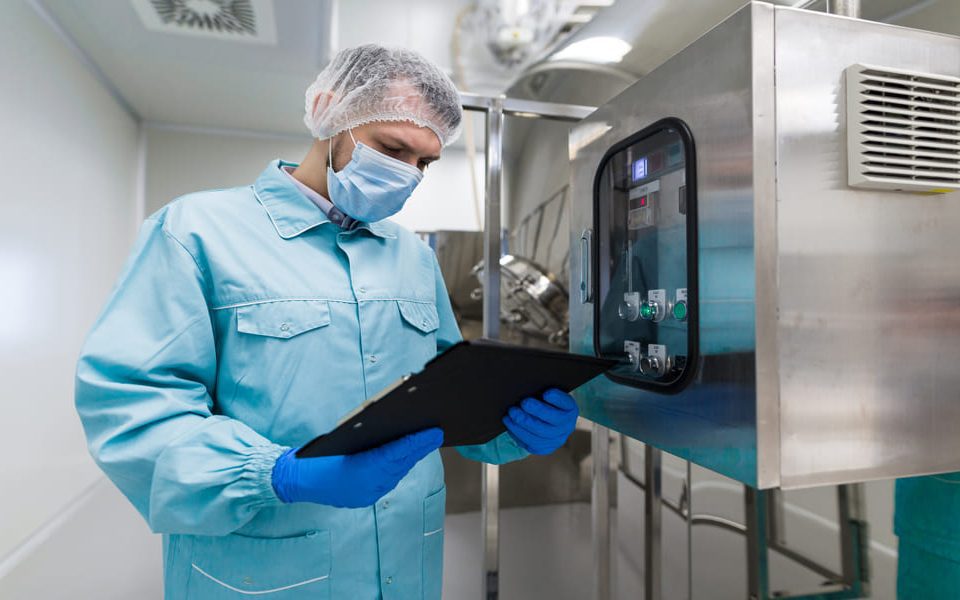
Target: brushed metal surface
[(710, 87), (869, 329), (829, 316)]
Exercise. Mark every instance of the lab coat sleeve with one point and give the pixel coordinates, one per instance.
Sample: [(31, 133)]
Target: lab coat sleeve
[(503, 448), (144, 389)]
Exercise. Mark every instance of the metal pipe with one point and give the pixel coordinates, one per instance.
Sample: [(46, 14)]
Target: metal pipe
[(490, 486), (807, 562), (490, 513), (652, 520), (732, 526), (689, 498), (758, 585), (495, 108), (776, 533), (600, 511), (845, 8), (516, 107), (854, 536)]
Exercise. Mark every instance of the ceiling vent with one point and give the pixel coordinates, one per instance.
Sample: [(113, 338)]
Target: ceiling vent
[(234, 20), (903, 129)]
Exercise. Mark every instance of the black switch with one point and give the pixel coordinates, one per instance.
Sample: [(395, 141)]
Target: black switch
[(683, 200)]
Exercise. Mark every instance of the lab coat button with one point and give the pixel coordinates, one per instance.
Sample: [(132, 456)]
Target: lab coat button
[(247, 581), (362, 290), (284, 327), (373, 358), (389, 580)]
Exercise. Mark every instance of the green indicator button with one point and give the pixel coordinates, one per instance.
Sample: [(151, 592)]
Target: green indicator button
[(680, 311), (648, 311)]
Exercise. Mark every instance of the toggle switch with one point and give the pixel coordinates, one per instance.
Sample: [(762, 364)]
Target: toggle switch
[(630, 308), (633, 354), (652, 366), (655, 363)]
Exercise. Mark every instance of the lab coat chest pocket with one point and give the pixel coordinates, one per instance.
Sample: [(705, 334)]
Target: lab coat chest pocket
[(434, 508), (420, 322), (235, 566), (269, 344), (273, 334), (283, 319)]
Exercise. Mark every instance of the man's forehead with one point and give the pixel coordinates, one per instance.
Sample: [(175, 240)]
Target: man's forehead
[(415, 137)]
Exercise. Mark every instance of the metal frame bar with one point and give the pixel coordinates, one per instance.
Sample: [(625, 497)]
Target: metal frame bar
[(755, 511), (765, 532), (852, 582), (490, 513), (653, 523), (495, 109), (600, 511)]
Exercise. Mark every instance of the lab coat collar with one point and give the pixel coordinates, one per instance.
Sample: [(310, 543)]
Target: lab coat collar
[(291, 212)]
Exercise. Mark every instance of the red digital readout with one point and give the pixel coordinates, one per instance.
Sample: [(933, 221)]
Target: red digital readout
[(643, 201)]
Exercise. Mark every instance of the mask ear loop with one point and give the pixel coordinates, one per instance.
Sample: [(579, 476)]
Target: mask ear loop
[(330, 153), (330, 148)]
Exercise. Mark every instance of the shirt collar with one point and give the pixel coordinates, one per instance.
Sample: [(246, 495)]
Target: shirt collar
[(292, 212)]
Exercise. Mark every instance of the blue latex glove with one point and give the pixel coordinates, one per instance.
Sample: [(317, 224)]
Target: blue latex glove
[(542, 426), (353, 480)]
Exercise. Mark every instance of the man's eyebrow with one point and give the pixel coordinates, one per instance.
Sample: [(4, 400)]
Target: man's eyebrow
[(391, 139)]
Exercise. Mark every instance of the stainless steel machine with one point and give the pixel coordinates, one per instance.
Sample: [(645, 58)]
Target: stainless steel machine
[(763, 230)]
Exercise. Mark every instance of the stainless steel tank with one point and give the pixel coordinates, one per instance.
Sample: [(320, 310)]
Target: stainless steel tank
[(536, 182), (777, 324)]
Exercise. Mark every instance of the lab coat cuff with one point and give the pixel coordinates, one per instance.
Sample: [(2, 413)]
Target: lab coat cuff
[(259, 469)]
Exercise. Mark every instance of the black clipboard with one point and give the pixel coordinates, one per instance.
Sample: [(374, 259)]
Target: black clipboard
[(465, 391)]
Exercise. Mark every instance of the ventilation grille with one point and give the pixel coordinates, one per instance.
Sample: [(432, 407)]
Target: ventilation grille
[(237, 20), (903, 129)]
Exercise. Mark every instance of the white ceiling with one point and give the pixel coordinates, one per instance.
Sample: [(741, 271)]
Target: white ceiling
[(210, 83)]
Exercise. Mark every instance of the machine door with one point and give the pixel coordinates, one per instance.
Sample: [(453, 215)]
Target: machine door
[(645, 259)]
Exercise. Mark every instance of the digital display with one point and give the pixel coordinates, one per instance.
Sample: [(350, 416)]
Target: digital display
[(656, 162), (640, 169), (643, 201)]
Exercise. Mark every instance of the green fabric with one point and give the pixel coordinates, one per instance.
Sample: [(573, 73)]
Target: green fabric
[(928, 513), (925, 575), (927, 520)]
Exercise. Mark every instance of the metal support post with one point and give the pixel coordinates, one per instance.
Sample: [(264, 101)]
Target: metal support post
[(490, 514), (777, 531), (600, 511), (846, 8), (689, 522), (495, 108), (652, 523), (854, 539), (754, 506)]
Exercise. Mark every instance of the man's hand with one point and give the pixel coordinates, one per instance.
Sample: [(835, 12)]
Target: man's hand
[(542, 426), (353, 480)]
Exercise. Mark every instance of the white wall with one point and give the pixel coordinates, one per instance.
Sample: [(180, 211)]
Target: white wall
[(181, 161), (69, 208)]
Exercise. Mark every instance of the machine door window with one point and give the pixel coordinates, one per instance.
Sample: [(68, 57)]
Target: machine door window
[(646, 284)]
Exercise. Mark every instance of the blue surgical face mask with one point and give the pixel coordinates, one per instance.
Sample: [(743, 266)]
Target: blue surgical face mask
[(373, 186)]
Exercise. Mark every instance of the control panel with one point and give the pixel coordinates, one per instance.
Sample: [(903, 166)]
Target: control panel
[(646, 279)]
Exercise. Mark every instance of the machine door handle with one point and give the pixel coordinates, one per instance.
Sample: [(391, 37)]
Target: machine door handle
[(586, 266)]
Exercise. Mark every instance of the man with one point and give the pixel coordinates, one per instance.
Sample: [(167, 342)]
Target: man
[(249, 320)]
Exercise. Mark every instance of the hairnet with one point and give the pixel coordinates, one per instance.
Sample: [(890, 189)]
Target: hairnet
[(372, 83)]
